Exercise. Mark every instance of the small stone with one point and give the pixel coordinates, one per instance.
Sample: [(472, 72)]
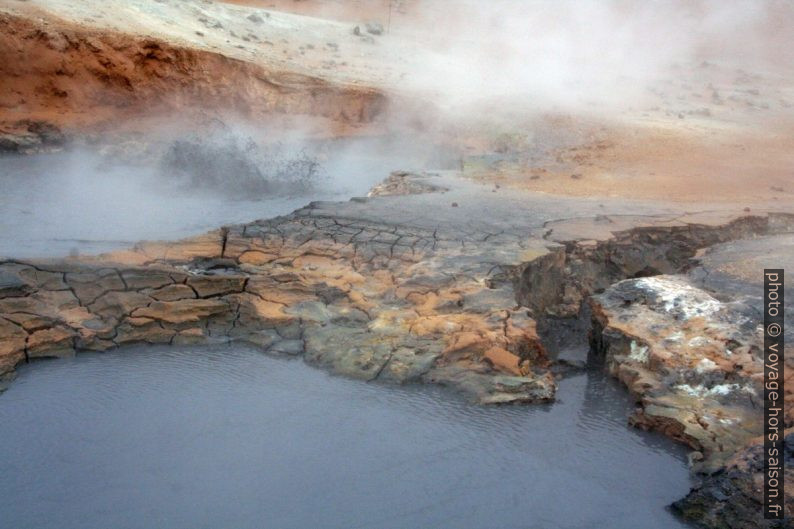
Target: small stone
[(183, 311), (695, 458), (53, 342), (173, 293), (454, 204), (374, 28)]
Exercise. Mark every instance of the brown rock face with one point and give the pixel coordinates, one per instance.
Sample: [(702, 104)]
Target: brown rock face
[(594, 254), (56, 76)]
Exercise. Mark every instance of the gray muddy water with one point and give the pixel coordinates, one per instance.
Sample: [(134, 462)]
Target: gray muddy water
[(229, 437), (53, 205)]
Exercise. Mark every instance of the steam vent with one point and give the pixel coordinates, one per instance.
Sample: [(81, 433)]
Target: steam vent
[(396, 263)]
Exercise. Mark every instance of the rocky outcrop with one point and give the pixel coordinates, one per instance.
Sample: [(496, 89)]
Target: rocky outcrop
[(694, 363), (690, 349), (732, 497)]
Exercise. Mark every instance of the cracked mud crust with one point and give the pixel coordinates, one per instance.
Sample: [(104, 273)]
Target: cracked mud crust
[(395, 288)]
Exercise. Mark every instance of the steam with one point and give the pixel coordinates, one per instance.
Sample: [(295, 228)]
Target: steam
[(580, 55), (239, 166), (509, 63), (179, 184)]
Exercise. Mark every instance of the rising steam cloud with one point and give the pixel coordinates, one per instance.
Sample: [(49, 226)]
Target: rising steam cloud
[(580, 53)]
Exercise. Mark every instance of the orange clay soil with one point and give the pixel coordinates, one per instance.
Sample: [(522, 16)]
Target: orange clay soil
[(80, 78), (748, 167)]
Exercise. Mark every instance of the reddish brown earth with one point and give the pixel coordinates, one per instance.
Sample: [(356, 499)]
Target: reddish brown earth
[(83, 79), (705, 131), (669, 164)]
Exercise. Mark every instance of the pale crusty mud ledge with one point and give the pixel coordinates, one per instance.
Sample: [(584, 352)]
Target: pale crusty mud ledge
[(445, 285)]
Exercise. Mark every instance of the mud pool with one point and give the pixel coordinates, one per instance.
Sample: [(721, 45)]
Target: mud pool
[(78, 202), (229, 437)]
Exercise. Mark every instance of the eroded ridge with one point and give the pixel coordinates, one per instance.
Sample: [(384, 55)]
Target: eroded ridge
[(696, 366), (671, 317), (690, 349), (694, 362)]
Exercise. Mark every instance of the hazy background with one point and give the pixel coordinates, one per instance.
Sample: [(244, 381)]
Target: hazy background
[(573, 54)]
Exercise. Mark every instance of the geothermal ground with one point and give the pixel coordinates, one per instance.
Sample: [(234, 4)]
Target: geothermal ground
[(513, 237)]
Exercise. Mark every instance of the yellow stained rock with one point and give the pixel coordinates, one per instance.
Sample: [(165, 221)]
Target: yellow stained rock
[(504, 360)]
